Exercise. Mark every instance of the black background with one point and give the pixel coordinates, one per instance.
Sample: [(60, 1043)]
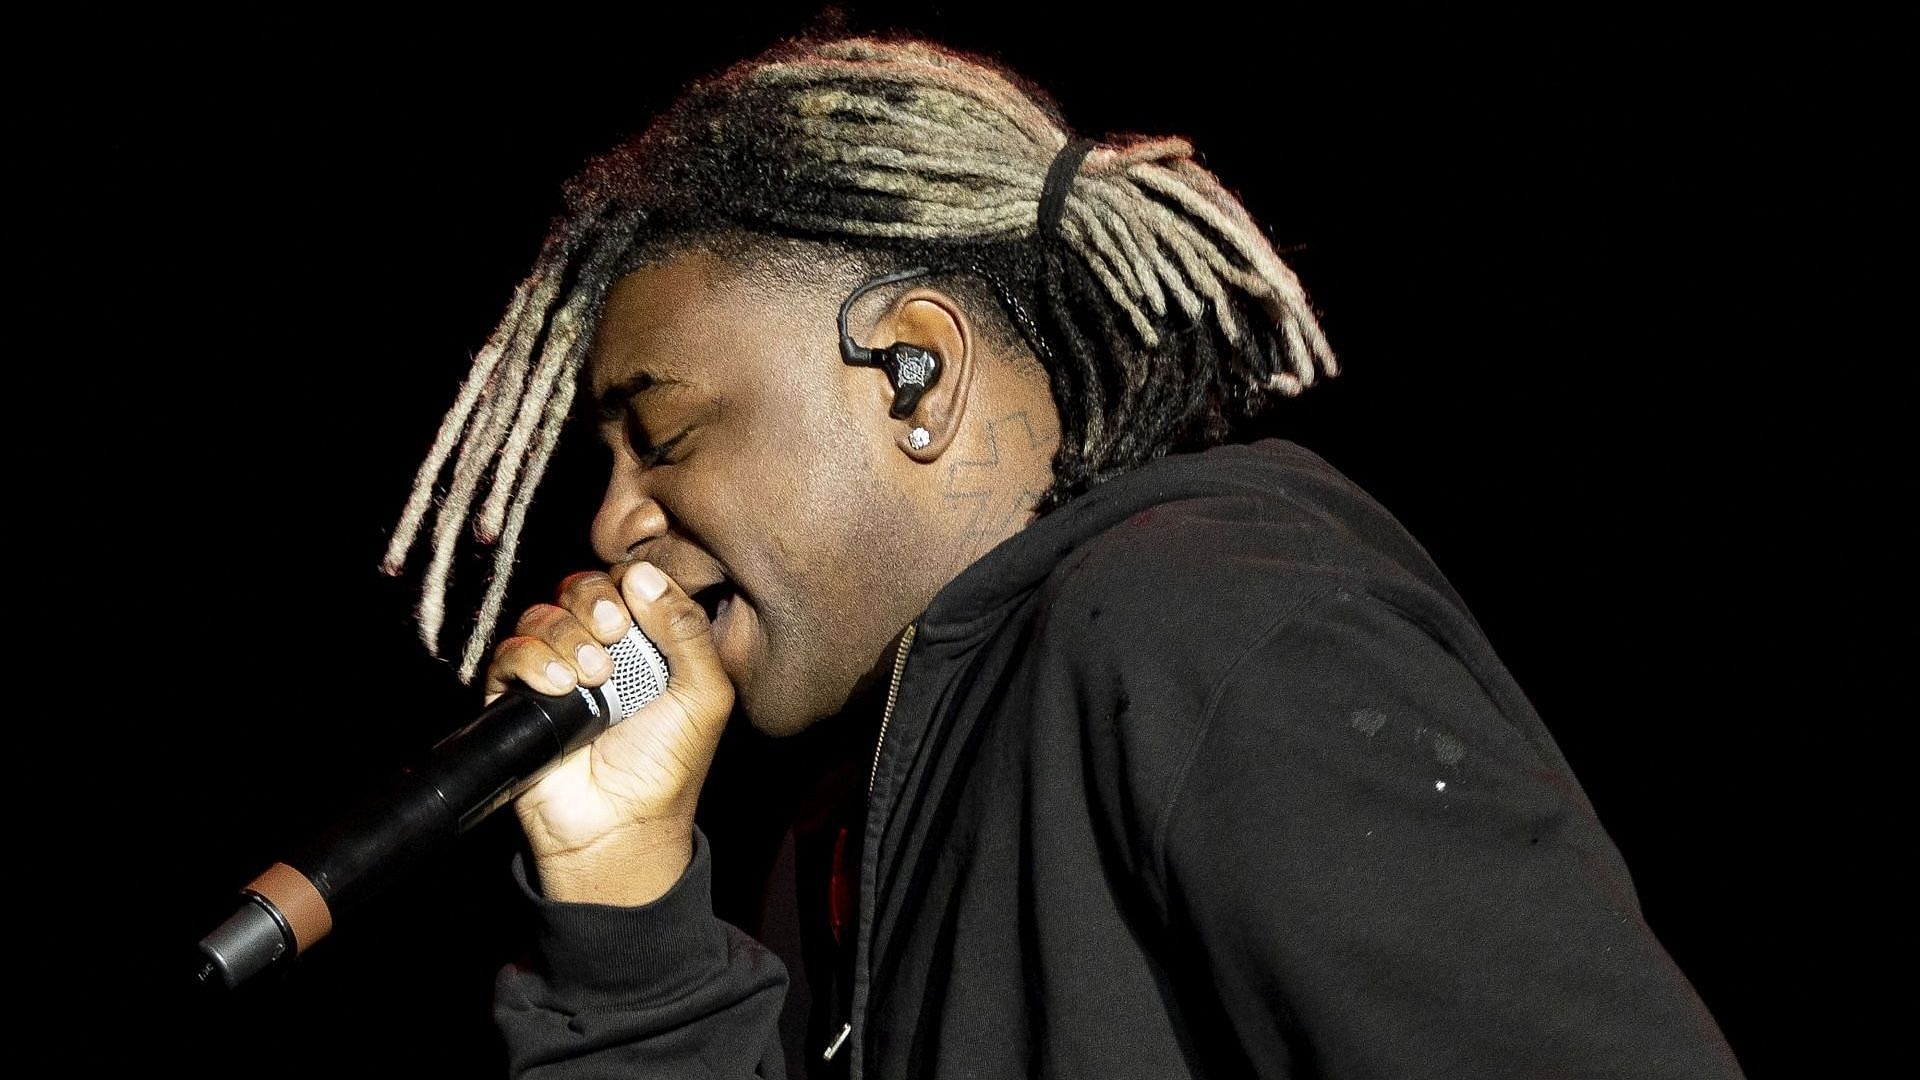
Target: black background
[(1604, 286)]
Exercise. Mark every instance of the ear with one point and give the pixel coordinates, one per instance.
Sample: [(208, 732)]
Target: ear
[(934, 321)]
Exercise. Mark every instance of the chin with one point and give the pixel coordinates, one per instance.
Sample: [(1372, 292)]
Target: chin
[(783, 707), (779, 725), (772, 713)]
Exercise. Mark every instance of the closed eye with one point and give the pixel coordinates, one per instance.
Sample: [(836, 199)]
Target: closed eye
[(651, 456)]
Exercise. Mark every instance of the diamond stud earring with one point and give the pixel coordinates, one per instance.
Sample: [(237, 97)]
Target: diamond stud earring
[(918, 438)]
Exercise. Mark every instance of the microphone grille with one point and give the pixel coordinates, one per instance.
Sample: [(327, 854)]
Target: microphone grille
[(639, 674)]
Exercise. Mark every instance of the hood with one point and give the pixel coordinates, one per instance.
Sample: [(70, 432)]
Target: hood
[(1267, 468)]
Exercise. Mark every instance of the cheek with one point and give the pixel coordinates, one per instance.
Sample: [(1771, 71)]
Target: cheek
[(808, 483), (813, 482), (816, 566)]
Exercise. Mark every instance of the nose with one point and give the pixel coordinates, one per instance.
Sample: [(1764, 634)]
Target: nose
[(627, 518)]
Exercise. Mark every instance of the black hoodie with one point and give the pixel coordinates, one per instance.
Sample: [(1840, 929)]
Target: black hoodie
[(1208, 772)]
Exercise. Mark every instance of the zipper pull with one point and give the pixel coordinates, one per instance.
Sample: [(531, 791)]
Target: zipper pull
[(834, 1048)]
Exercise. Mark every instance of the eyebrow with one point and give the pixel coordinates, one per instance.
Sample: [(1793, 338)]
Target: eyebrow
[(612, 401)]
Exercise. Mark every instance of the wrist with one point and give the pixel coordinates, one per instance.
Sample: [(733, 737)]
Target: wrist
[(630, 868)]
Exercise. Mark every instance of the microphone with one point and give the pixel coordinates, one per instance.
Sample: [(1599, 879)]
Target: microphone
[(469, 774)]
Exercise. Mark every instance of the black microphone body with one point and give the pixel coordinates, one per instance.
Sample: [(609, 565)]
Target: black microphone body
[(468, 775)]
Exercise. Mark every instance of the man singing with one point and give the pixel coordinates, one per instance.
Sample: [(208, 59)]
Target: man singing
[(1177, 755)]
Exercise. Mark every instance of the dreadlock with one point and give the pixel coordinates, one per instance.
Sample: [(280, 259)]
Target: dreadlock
[(1158, 309)]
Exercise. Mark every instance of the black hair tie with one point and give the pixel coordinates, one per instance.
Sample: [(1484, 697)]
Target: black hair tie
[(1053, 194)]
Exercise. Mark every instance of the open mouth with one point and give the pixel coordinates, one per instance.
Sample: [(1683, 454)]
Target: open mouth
[(715, 599)]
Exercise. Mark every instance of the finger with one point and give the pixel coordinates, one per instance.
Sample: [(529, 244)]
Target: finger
[(531, 662), (574, 642), (679, 628), (595, 600)]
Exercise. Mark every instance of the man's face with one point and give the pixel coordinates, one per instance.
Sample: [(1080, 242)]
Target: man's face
[(771, 480)]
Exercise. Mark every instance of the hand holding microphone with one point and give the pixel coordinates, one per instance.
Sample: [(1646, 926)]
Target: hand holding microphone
[(601, 751), (613, 822)]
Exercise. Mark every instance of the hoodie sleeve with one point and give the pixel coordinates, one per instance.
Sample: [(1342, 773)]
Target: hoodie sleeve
[(662, 989), (1368, 870)]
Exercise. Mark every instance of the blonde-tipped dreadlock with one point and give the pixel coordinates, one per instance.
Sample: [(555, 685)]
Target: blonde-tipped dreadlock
[(1159, 309)]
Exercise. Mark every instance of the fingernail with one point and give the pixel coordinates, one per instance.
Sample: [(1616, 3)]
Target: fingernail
[(592, 660), (559, 675), (607, 614), (648, 580)]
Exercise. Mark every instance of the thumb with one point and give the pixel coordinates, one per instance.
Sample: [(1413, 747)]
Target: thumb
[(698, 692)]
